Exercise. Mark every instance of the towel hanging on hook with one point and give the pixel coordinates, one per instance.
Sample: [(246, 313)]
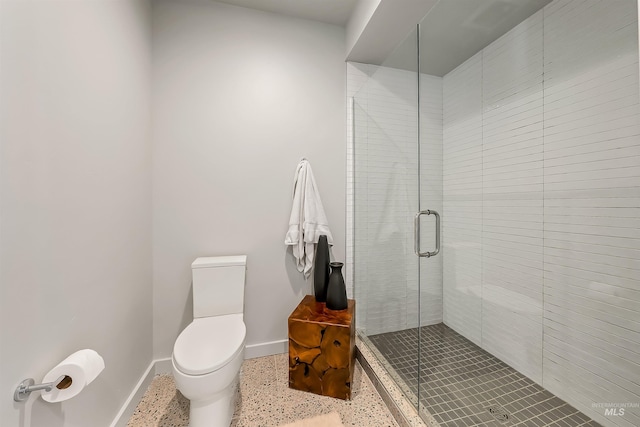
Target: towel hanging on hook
[(307, 220)]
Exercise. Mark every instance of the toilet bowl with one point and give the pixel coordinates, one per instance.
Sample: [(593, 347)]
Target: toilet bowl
[(208, 354), (206, 362)]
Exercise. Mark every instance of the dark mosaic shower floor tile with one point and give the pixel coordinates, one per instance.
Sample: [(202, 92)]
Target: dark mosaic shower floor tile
[(463, 385)]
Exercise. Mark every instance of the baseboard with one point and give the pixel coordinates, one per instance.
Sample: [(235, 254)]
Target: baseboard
[(163, 366), (252, 351), (132, 401)]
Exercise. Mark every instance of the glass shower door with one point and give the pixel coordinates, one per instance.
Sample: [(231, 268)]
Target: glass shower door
[(385, 161), (428, 221)]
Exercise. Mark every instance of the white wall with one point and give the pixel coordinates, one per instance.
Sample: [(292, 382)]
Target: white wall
[(377, 28), (75, 191), (360, 17), (239, 97)]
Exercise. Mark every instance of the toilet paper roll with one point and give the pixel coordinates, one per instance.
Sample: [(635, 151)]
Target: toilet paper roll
[(82, 367)]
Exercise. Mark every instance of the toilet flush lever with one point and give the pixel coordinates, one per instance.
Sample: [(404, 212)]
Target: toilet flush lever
[(27, 386)]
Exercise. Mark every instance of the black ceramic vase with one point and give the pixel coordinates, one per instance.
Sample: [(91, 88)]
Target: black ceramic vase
[(321, 269), (336, 292)]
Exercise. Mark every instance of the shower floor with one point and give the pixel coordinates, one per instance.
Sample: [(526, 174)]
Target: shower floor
[(463, 385)]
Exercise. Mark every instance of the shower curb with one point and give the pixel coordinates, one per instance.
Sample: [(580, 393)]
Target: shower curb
[(396, 401)]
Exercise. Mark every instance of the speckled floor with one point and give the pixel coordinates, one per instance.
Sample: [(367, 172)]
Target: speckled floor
[(266, 400)]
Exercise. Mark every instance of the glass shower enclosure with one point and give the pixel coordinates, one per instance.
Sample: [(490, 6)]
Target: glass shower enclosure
[(494, 184)]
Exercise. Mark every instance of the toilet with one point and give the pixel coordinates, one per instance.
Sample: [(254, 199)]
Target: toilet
[(209, 352)]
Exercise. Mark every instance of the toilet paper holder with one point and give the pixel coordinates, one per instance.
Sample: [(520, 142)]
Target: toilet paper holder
[(27, 386)]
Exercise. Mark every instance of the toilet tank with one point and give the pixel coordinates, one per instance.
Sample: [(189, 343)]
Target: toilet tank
[(218, 285)]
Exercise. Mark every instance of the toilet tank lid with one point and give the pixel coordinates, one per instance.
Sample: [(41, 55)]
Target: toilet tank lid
[(219, 261)]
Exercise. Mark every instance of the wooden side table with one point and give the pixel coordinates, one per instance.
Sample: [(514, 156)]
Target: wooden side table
[(322, 348)]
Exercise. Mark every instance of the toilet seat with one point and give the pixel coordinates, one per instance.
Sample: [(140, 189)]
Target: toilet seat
[(209, 343)]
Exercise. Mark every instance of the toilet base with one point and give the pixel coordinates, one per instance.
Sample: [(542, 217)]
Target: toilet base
[(216, 411)]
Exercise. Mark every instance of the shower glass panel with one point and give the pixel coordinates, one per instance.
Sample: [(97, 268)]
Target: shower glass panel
[(385, 197), (519, 123)]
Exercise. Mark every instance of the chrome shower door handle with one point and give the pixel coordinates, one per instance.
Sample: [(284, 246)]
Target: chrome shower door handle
[(416, 233)]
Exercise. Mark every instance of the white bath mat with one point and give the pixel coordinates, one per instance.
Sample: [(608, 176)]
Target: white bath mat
[(327, 420)]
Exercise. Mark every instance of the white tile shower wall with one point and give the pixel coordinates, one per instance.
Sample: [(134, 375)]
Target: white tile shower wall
[(356, 78), (462, 205), (552, 244), (512, 271), (592, 206), (385, 188), (388, 163)]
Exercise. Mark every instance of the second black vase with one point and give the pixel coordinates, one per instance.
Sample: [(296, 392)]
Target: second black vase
[(321, 269), (336, 292)]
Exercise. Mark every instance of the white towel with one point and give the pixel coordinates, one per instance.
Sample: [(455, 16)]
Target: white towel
[(308, 220)]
